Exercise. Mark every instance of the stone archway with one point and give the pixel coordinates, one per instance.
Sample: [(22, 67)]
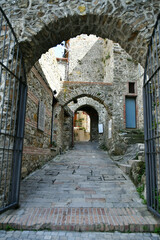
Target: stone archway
[(94, 118), (103, 116), (40, 26), (102, 93), (40, 30)]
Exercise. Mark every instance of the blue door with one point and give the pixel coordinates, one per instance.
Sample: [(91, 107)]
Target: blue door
[(130, 112)]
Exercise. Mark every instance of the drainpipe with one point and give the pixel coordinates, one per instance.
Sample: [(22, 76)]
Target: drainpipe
[(72, 132), (54, 101)]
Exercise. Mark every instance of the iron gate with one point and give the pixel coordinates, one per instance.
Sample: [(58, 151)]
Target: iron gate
[(13, 91), (151, 94)]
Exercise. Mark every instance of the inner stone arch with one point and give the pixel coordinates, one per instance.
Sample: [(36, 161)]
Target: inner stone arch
[(88, 92), (103, 116)]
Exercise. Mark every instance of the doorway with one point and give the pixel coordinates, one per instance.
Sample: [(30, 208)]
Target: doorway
[(130, 112), (81, 126)]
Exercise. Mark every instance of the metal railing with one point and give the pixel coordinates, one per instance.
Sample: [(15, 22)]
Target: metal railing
[(151, 94), (13, 93)]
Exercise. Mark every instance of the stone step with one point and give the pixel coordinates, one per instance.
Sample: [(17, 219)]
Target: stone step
[(124, 167), (135, 140), (80, 219), (134, 136), (130, 162)]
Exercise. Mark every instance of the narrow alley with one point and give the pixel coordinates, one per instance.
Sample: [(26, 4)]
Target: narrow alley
[(79, 120), (81, 190)]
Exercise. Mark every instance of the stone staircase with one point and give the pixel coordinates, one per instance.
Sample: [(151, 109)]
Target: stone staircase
[(126, 167), (132, 136)]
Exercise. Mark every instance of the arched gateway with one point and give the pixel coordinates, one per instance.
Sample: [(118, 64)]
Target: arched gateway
[(42, 25), (38, 27)]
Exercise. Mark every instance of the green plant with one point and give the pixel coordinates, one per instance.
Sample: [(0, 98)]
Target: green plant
[(136, 157), (157, 230), (144, 201), (140, 190), (9, 228), (141, 171), (103, 147), (82, 128), (45, 229), (145, 228), (79, 120), (108, 56)]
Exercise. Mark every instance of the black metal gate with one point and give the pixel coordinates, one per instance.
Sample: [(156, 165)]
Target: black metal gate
[(13, 91), (152, 120)]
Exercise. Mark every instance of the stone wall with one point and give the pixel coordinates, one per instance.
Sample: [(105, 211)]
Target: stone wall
[(108, 60), (37, 148), (40, 26), (126, 70), (85, 59), (101, 92), (62, 127)]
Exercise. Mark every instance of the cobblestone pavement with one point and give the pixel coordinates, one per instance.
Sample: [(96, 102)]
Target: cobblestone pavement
[(83, 177), (81, 190), (47, 235)]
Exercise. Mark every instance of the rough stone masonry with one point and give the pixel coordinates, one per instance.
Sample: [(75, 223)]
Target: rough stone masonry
[(40, 25)]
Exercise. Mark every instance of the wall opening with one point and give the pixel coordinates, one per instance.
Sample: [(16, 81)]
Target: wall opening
[(86, 117), (131, 87), (82, 125), (130, 112)]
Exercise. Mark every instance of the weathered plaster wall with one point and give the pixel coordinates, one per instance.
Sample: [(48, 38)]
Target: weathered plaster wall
[(51, 70), (63, 68), (85, 59)]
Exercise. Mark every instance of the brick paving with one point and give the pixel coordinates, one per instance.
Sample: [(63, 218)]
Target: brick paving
[(81, 190)]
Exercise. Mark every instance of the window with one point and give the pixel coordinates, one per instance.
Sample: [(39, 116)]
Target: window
[(131, 87)]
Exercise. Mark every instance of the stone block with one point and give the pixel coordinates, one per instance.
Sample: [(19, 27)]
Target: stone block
[(125, 168), (141, 146), (130, 162)]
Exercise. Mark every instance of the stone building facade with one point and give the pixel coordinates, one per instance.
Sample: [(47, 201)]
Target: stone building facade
[(101, 72)]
